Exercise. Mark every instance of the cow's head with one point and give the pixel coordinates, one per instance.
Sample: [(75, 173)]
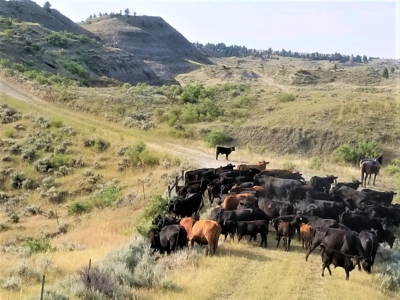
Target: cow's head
[(232, 148), (366, 264)]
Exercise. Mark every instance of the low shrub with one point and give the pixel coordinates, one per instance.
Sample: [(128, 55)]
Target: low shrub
[(10, 133), (56, 123), (38, 245), (100, 145), (215, 137), (354, 153), (106, 197), (157, 205), (392, 170), (79, 207), (286, 97)]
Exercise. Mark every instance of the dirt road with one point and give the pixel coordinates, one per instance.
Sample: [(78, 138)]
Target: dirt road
[(195, 156)]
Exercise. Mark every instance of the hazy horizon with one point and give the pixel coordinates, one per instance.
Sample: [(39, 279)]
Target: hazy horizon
[(349, 27)]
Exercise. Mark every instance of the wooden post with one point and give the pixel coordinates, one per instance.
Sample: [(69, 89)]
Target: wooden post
[(88, 273), (169, 191), (182, 175), (144, 195), (42, 291), (58, 224)]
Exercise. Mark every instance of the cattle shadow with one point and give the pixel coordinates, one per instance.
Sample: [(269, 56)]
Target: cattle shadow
[(225, 250)]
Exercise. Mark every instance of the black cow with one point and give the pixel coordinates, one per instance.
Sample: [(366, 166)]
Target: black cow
[(391, 213), (370, 244), (298, 193), (194, 175), (343, 241), (385, 198), (355, 184), (223, 150), (322, 184), (315, 222), (214, 191), (386, 236), (186, 207), (249, 214), (168, 238), (338, 259), (352, 197), (243, 204), (359, 222), (321, 208), (274, 208), (252, 228), (277, 187), (161, 221)]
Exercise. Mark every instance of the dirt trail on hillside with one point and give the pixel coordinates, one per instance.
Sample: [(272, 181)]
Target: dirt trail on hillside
[(195, 156)]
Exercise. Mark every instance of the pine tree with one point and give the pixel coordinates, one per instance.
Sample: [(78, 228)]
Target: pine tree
[(127, 12), (385, 73), (47, 6)]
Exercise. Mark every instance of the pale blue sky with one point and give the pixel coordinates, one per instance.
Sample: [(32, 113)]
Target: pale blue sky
[(348, 27)]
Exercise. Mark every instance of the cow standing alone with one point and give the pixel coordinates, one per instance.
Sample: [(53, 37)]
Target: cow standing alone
[(223, 150)]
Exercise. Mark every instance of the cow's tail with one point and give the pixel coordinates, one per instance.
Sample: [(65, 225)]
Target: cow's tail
[(177, 238)]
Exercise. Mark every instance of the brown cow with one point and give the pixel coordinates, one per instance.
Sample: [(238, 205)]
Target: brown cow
[(206, 232), (260, 166), (285, 230), (231, 201), (306, 233), (257, 188), (188, 223)]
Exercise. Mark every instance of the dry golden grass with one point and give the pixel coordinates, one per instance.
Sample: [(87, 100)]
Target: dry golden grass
[(238, 271), (246, 271)]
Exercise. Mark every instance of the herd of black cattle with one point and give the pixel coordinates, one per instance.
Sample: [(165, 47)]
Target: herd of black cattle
[(347, 224)]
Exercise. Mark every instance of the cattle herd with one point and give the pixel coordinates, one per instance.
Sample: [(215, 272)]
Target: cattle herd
[(347, 224)]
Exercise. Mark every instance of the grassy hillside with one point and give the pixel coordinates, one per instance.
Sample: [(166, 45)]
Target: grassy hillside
[(98, 208)]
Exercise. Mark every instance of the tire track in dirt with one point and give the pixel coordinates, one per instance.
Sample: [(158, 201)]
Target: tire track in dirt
[(195, 156)]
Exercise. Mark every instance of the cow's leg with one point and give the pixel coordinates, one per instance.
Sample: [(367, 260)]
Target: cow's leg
[(312, 247), (323, 269), (298, 231), (289, 241), (226, 156), (302, 244), (263, 240), (239, 237), (347, 274), (374, 178), (329, 269), (369, 178), (278, 237), (216, 156)]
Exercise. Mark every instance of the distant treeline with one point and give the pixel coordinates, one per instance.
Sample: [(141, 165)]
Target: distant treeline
[(242, 51), (111, 14)]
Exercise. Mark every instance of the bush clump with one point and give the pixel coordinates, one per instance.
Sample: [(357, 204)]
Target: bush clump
[(157, 205), (137, 155), (215, 137), (286, 97), (106, 197), (79, 207), (354, 153), (43, 165)]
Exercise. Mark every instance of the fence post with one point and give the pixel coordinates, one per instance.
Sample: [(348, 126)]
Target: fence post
[(88, 273), (182, 175), (169, 191), (144, 195), (42, 291)]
